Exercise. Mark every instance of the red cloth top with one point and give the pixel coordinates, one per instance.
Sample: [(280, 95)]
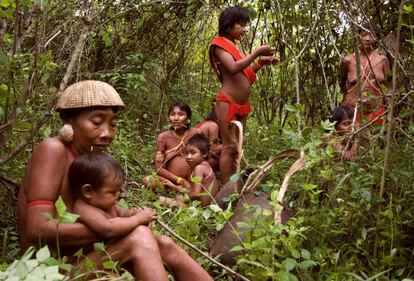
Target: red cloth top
[(230, 48)]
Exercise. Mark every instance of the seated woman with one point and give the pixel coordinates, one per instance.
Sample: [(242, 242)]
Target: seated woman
[(89, 110), (374, 72), (170, 163)]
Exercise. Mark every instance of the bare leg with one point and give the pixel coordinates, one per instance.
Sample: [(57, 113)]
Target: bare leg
[(140, 247), (229, 153), (183, 267)]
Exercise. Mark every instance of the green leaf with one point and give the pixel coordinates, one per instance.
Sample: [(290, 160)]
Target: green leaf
[(234, 178), (196, 179), (305, 254), (60, 207), (267, 212), (49, 216), (109, 265), (408, 8), (99, 246), (364, 232), (69, 218), (215, 208), (289, 264), (43, 254), (5, 3), (79, 253)]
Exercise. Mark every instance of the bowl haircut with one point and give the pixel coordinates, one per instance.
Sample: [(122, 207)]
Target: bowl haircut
[(230, 16), (199, 141), (340, 114), (93, 168)]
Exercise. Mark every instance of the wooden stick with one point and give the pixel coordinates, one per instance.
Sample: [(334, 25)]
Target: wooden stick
[(207, 256)]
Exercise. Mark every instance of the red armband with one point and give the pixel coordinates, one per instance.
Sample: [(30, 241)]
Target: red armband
[(40, 202), (258, 64)]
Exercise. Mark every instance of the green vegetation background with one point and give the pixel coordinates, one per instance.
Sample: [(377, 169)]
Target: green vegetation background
[(155, 52)]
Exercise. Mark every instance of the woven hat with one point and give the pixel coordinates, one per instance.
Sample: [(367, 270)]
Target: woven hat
[(89, 93)]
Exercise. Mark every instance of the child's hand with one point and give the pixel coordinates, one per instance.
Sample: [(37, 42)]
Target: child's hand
[(168, 183), (265, 50), (269, 60), (146, 215)]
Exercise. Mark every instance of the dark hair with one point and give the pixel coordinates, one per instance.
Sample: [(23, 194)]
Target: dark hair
[(182, 105), (199, 141), (68, 113), (371, 27), (92, 168), (230, 16), (212, 116), (340, 114)]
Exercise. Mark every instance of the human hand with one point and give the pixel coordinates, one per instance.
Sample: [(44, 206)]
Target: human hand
[(145, 215), (186, 184), (269, 60), (265, 50)]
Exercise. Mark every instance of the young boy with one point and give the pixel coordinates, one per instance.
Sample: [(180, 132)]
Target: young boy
[(203, 185), (96, 180)]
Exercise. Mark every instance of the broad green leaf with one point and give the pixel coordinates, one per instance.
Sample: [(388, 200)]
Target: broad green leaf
[(305, 254), (43, 254), (215, 208), (60, 207), (5, 3), (69, 218), (234, 178), (99, 246), (196, 179), (109, 265), (289, 264)]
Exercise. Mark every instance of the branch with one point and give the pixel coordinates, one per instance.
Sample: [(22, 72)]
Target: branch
[(87, 20), (207, 256), (10, 181), (391, 113)]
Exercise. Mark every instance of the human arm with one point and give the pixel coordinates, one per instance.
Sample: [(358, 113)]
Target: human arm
[(109, 228), (45, 180), (265, 60), (197, 190), (234, 67), (343, 75), (160, 161)]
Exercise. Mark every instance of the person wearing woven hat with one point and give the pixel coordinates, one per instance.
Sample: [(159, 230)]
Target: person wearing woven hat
[(89, 110)]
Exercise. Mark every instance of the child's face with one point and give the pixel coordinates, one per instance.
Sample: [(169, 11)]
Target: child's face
[(238, 30), (194, 156), (344, 126), (106, 196), (178, 118)]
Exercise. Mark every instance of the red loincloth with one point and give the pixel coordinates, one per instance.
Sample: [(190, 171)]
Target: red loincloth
[(230, 48), (373, 115), (234, 108)]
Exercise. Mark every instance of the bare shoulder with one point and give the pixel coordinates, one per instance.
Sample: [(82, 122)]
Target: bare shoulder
[(201, 170), (348, 59), (50, 151)]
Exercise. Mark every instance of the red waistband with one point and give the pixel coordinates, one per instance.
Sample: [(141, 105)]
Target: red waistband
[(373, 115), (40, 202), (234, 108)]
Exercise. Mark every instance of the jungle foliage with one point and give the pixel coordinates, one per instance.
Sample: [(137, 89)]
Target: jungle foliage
[(155, 52)]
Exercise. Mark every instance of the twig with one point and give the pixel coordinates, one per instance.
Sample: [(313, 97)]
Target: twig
[(391, 111), (51, 38), (9, 180), (207, 256)]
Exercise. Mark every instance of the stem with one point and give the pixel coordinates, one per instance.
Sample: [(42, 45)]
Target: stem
[(391, 106)]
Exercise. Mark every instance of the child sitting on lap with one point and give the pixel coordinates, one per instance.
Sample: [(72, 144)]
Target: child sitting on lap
[(203, 184), (96, 179)]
